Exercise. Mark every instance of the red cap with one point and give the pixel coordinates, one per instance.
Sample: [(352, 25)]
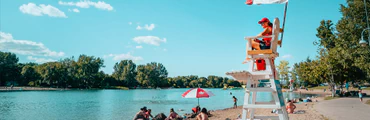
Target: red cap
[(263, 20)]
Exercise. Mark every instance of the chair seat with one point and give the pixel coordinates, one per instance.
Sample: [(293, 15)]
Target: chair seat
[(256, 52)]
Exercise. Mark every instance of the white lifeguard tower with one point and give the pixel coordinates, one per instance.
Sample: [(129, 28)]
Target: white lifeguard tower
[(253, 78)]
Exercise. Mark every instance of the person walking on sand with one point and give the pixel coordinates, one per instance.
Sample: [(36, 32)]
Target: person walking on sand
[(203, 115), (360, 94), (235, 100)]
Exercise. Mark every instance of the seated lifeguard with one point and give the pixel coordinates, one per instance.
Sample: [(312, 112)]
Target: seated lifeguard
[(265, 43)]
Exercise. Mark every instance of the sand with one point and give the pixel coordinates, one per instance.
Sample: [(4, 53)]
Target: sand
[(232, 114)]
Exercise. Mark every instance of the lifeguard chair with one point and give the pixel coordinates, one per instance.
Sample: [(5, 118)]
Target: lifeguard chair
[(263, 78), (254, 76)]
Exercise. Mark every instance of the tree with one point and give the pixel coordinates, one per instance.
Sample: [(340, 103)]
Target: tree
[(30, 76), (125, 71), (88, 67), (142, 75), (283, 69), (157, 74), (8, 66)]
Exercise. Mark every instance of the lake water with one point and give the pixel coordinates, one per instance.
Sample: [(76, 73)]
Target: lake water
[(110, 104)]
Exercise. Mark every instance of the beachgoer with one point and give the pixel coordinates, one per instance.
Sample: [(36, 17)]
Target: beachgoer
[(231, 93), (235, 100), (203, 115), (300, 100), (290, 107), (265, 42), (196, 109), (140, 115), (173, 115), (148, 114), (360, 94)]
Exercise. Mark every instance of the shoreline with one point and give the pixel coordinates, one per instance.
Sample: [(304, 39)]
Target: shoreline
[(9, 89), (309, 112)]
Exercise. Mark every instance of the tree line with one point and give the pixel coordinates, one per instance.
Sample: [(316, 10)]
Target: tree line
[(340, 57), (85, 73)]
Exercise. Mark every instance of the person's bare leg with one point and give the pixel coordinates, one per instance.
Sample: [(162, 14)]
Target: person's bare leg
[(247, 59), (255, 45)]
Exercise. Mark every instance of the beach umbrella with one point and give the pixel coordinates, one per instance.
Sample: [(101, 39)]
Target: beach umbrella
[(197, 93)]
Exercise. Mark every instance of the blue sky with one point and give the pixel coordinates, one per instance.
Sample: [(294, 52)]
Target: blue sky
[(192, 37)]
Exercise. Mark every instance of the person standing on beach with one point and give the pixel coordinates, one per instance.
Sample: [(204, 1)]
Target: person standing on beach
[(360, 94), (235, 100)]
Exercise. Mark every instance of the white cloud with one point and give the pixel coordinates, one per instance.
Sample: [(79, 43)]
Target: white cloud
[(138, 28), (86, 4), (25, 47), (40, 60), (147, 27), (41, 10), (153, 40), (127, 56), (288, 56), (139, 47), (130, 23), (165, 49), (74, 10)]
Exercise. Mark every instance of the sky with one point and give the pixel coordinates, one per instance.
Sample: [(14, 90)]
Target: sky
[(189, 37)]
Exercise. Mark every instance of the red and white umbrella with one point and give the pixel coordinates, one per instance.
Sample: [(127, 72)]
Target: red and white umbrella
[(197, 93)]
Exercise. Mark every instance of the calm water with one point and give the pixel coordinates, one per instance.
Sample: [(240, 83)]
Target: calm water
[(109, 104)]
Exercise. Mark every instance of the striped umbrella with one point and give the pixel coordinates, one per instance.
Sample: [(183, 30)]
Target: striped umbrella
[(197, 93)]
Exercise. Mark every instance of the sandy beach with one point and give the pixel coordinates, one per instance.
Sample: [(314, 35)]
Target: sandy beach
[(310, 112)]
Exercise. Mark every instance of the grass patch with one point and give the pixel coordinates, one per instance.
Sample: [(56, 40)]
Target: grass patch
[(320, 87), (367, 102), (330, 98), (121, 87)]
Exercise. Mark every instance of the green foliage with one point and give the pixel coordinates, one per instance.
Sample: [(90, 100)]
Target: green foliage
[(84, 73), (29, 75), (8, 67), (125, 72), (340, 55), (283, 70)]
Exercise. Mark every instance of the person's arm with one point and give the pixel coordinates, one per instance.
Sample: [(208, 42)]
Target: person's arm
[(199, 117), (265, 31)]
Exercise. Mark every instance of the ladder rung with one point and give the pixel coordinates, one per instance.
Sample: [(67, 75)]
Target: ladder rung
[(265, 103), (261, 89), (261, 106)]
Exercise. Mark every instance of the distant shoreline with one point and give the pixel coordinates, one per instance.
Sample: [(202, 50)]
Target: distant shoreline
[(9, 89)]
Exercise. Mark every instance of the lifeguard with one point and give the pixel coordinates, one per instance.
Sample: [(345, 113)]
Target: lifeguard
[(265, 43)]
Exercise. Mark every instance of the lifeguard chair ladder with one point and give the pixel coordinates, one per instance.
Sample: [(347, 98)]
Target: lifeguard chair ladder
[(252, 79)]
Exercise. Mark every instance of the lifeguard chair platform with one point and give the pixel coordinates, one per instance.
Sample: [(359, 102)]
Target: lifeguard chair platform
[(254, 76)]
